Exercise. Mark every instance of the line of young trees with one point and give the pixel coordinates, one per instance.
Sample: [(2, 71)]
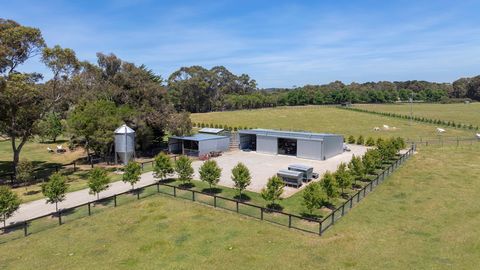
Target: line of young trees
[(332, 185), (417, 118)]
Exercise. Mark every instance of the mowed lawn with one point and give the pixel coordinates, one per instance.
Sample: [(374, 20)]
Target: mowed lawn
[(324, 119), (459, 113), (425, 216)]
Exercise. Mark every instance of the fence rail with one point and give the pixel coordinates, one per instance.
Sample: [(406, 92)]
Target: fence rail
[(317, 226)]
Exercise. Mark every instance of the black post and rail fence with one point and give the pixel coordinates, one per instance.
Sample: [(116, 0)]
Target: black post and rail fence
[(310, 225)]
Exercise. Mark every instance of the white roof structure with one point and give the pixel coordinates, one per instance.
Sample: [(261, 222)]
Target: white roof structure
[(124, 129), (211, 130)]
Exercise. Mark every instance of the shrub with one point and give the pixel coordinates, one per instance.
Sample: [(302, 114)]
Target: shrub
[(162, 166), (184, 169), (314, 197), (329, 185), (360, 140), (241, 177), (370, 142), (351, 139), (273, 190)]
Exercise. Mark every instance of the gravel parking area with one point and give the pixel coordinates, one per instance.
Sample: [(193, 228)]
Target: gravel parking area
[(263, 166)]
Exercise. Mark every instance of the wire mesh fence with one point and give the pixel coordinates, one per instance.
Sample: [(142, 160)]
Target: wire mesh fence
[(317, 226)]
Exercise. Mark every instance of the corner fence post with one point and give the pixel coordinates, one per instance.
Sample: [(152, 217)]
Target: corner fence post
[(320, 228), (174, 191), (351, 203), (25, 225), (89, 210), (343, 210), (115, 200), (333, 217)]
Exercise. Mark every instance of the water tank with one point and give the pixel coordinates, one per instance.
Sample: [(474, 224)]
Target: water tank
[(124, 144)]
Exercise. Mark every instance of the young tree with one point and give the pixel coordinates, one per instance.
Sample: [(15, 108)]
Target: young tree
[(370, 142), (184, 169), (371, 160), (329, 185), (210, 172), (98, 181), (313, 197), (357, 168), (241, 177), (162, 166), (54, 190), (274, 190), (9, 203), (343, 177), (351, 139), (24, 171), (360, 140), (131, 173)]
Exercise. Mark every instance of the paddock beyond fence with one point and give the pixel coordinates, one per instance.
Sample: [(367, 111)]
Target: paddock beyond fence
[(310, 225)]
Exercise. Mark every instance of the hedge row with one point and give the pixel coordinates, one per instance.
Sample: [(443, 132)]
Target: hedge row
[(225, 127), (370, 141), (417, 118)]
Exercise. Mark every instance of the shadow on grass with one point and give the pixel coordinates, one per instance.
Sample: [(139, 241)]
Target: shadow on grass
[(186, 185), (274, 207), (31, 192), (311, 216), (166, 181), (213, 190), (242, 198)]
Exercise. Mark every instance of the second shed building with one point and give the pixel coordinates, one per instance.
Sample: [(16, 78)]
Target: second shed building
[(319, 146)]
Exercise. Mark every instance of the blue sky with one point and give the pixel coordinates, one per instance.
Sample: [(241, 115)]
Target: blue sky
[(278, 43)]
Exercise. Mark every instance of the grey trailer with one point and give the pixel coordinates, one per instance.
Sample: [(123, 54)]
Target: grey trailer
[(306, 170), (291, 178)]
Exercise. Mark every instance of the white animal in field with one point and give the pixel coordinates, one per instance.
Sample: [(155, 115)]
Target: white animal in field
[(376, 128), (477, 135), (386, 127), (440, 130)]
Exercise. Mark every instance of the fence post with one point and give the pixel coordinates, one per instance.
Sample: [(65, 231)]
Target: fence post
[(333, 217), (289, 221), (115, 200), (142, 165), (358, 196), (371, 186), (236, 205), (138, 194), (89, 210), (25, 225), (59, 217), (74, 166), (214, 201), (343, 210), (193, 195), (351, 203), (261, 213), (158, 188), (174, 191), (320, 228)]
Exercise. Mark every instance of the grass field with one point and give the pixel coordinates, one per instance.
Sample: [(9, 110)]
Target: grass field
[(425, 216), (459, 113), (323, 119)]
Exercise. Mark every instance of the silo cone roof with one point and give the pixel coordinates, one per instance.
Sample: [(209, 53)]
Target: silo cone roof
[(124, 129)]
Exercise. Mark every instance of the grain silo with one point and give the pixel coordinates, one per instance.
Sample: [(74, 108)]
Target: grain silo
[(124, 144)]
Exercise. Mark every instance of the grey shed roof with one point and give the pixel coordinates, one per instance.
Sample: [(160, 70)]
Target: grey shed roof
[(211, 130), (288, 134), (199, 137), (124, 129), (300, 167)]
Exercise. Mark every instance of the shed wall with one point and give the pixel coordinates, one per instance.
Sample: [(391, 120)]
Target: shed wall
[(333, 145), (207, 146), (309, 149), (267, 145)]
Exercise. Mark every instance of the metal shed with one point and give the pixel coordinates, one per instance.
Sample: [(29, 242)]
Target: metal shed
[(307, 145), (198, 144)]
